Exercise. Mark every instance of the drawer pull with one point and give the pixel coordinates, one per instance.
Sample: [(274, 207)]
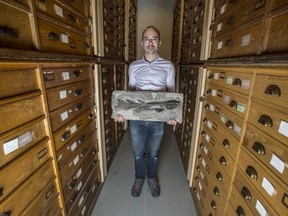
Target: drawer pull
[(216, 191), (201, 145), (94, 162), (53, 36), (246, 194), (83, 153), (202, 98), (90, 116), (194, 190), (50, 192), (203, 133), (94, 151), (196, 178), (81, 139), (230, 20), (86, 45), (285, 200), (252, 172), (206, 106), (71, 18), (233, 104), (259, 148), (200, 157), (42, 153), (73, 197), (87, 189), (266, 121), (237, 82), (198, 168), (209, 91), (72, 184), (76, 73), (273, 90), (229, 42), (65, 136), (226, 143), (223, 161), (213, 205), (219, 176), (205, 120), (78, 107), (6, 213), (210, 76), (229, 124), (1, 192), (240, 211), (78, 92), (8, 32)]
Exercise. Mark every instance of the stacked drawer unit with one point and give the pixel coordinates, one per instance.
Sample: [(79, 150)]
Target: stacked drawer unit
[(224, 112), (26, 167), (176, 32), (132, 31), (261, 178), (71, 105), (192, 31), (64, 26)]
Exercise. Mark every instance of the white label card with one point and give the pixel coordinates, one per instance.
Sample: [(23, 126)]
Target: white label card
[(209, 124), (245, 40), (223, 9), (241, 107), (220, 45), (226, 99), (237, 129), (260, 208), (203, 163), (207, 137), (73, 129), (79, 186), (25, 139), (200, 185), (223, 118), (201, 174), (64, 38), (245, 83), (216, 76), (64, 116), (73, 146), (214, 92), (212, 107), (229, 79), (58, 10), (80, 201), (219, 27), (277, 163), (268, 187), (65, 75), (63, 94), (205, 150), (283, 128), (76, 159), (10, 146), (78, 174), (83, 210)]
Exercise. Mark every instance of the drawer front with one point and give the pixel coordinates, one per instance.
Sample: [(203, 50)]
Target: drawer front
[(277, 4), (28, 191), (231, 78), (20, 140), (64, 135), (278, 35), (242, 13), (272, 89), (222, 7), (242, 43), (60, 76), (22, 168), (202, 202), (63, 14), (54, 209), (16, 82), (65, 114), (15, 34), (82, 6), (257, 204), (60, 96), (44, 201), (54, 38), (28, 104), (270, 121), (271, 152), (273, 191), (232, 101)]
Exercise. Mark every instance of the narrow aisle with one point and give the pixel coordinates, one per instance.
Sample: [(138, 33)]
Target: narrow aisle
[(175, 199)]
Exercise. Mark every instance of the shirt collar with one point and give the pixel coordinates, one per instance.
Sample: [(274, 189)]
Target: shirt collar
[(157, 57)]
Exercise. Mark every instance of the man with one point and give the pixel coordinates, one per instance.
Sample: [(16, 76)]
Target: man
[(151, 73)]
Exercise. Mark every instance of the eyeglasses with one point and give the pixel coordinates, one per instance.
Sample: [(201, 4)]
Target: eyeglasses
[(152, 40)]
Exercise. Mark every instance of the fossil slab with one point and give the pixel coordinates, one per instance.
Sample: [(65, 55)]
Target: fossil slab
[(147, 105)]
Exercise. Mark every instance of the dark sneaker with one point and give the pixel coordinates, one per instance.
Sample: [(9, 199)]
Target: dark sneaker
[(154, 187), (137, 187)]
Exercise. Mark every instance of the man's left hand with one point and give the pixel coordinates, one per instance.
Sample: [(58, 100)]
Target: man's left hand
[(172, 122)]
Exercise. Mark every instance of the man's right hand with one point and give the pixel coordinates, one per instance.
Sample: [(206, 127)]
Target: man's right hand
[(119, 118)]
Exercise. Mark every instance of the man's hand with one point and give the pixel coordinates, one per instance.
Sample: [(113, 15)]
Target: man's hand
[(119, 118), (172, 122)]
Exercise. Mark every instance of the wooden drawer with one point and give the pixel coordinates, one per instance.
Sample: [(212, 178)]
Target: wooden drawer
[(275, 4), (264, 180), (239, 207), (270, 121), (242, 43), (15, 34), (82, 6), (16, 82), (44, 201), (277, 37), (200, 200), (18, 141), (60, 76), (29, 190), (268, 150), (62, 95), (54, 209), (55, 38), (257, 204), (30, 104), (245, 12), (234, 102), (65, 134), (272, 89), (65, 114), (58, 11), (21, 168), (234, 79)]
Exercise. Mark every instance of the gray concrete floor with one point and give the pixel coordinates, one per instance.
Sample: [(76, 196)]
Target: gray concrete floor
[(175, 199)]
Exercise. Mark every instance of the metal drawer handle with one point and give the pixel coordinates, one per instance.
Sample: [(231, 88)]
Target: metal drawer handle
[(223, 161), (205, 120), (8, 32), (76, 73), (226, 143), (246, 194), (252, 172), (216, 191), (273, 90), (94, 151), (42, 153), (194, 190), (200, 157), (206, 106), (81, 139), (266, 121), (94, 162), (259, 148), (209, 91), (86, 45), (202, 98), (196, 178), (210, 76), (237, 82), (71, 18), (50, 192), (284, 200), (213, 205), (72, 184), (203, 133), (198, 168), (229, 124), (230, 20), (201, 145), (90, 116), (87, 189), (6, 213), (229, 42), (233, 104), (73, 197), (77, 92), (83, 153), (219, 176), (259, 4), (65, 136), (78, 106), (53, 36), (1, 191), (240, 211)]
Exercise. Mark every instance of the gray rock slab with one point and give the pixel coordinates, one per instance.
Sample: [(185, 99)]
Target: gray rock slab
[(147, 105)]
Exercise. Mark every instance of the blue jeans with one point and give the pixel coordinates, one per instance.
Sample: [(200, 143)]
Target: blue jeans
[(146, 135)]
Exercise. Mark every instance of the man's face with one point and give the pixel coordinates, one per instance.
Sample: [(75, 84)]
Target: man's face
[(150, 41)]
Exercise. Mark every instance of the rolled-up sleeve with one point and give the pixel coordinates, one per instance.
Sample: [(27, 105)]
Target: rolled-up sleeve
[(171, 79)]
